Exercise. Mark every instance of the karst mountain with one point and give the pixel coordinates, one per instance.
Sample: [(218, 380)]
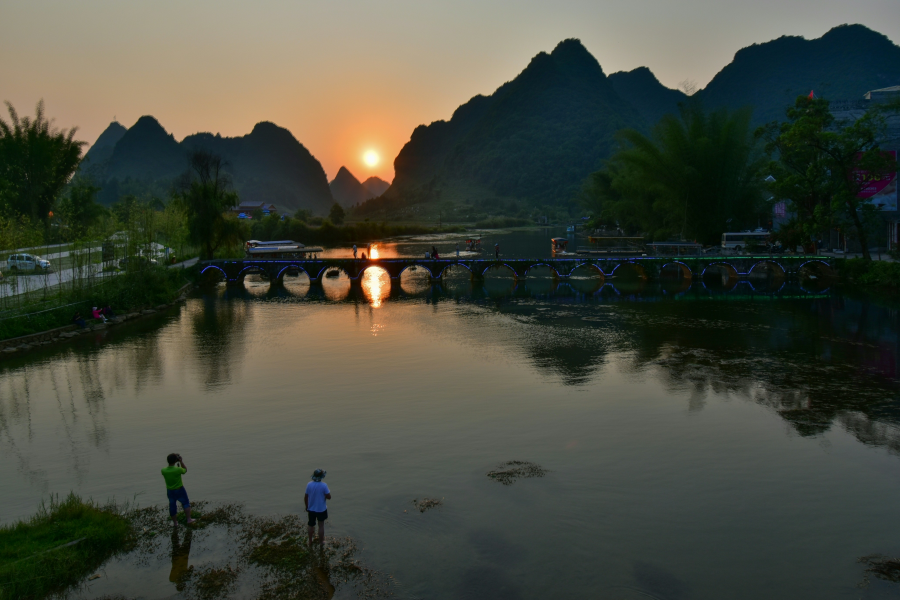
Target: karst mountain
[(266, 165)]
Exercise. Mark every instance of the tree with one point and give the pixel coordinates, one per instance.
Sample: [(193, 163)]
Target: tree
[(819, 167), (36, 162), (688, 179), (78, 208), (336, 214), (206, 195)]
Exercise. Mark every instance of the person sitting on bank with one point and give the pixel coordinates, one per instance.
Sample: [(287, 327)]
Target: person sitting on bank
[(95, 312), (79, 320), (316, 493), (107, 312), (175, 489)]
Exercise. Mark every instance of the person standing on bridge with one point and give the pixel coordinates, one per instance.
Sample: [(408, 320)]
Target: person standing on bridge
[(317, 493), (354, 251), (497, 251), (457, 250)]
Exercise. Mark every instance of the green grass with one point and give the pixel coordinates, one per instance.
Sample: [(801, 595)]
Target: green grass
[(35, 560), (871, 273)]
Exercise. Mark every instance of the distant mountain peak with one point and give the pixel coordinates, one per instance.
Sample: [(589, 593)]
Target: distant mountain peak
[(345, 174), (376, 186), (651, 98), (346, 188), (110, 136), (148, 124)]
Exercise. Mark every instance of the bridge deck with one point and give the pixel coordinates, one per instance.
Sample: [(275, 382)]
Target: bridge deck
[(647, 267)]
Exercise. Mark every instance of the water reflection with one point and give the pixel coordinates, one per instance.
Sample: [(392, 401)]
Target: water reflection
[(376, 284), (219, 324), (336, 285), (181, 554)]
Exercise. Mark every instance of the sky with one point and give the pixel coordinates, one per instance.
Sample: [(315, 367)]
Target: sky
[(351, 76)]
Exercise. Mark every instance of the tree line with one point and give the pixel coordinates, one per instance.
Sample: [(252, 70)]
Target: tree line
[(701, 173)]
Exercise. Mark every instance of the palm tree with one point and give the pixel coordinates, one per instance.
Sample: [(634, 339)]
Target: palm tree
[(36, 162), (687, 178)]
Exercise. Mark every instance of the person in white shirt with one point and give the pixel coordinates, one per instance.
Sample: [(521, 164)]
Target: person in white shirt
[(317, 493)]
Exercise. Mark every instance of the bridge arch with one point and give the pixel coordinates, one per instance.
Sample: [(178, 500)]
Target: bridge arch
[(249, 270), (768, 267), (415, 267), (284, 271), (727, 267), (588, 266), (624, 269), (210, 272), (816, 267), (320, 275), (541, 264), (498, 267), (679, 267), (450, 267)]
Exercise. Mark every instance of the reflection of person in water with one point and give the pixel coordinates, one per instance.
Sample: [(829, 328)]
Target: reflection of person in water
[(321, 575), (180, 554)]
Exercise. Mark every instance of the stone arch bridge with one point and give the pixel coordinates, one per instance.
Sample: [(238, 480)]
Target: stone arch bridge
[(732, 268)]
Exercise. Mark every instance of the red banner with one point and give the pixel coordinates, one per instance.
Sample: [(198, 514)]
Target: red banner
[(880, 188)]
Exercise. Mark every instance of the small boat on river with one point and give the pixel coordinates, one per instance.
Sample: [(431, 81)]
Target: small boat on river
[(280, 250)]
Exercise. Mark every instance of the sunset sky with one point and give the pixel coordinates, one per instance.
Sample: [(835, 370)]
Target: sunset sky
[(347, 77)]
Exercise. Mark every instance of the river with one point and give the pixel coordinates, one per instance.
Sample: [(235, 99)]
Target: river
[(697, 442)]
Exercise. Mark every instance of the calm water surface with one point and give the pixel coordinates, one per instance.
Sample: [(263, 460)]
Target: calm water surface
[(700, 442)]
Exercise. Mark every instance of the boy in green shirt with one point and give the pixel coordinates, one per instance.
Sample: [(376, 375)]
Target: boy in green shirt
[(175, 489)]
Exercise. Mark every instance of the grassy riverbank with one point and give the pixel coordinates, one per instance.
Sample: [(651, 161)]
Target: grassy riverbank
[(124, 292), (874, 273), (59, 546), (38, 558)]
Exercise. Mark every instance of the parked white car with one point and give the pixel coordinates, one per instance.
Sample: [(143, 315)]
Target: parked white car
[(27, 262)]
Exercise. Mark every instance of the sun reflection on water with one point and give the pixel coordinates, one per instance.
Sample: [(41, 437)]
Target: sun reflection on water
[(376, 285)]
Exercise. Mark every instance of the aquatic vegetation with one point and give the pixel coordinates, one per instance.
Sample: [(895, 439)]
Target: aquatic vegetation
[(210, 582), (268, 554), (290, 568), (427, 503), (882, 567), (509, 472), (60, 545)]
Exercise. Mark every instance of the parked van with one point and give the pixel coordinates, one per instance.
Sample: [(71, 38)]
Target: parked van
[(27, 262), (738, 240)]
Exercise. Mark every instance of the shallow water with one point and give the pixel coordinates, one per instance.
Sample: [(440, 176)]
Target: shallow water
[(699, 442)]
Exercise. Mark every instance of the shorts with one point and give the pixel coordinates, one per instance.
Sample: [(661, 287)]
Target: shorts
[(320, 516), (179, 495)]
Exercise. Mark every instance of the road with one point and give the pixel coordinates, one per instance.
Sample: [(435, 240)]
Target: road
[(22, 284)]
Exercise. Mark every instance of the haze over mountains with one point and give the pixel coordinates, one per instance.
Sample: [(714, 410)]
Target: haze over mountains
[(535, 139)]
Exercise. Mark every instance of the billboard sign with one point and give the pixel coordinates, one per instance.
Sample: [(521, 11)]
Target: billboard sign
[(880, 188)]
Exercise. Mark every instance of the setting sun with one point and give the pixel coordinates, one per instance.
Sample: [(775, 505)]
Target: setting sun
[(370, 158)]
